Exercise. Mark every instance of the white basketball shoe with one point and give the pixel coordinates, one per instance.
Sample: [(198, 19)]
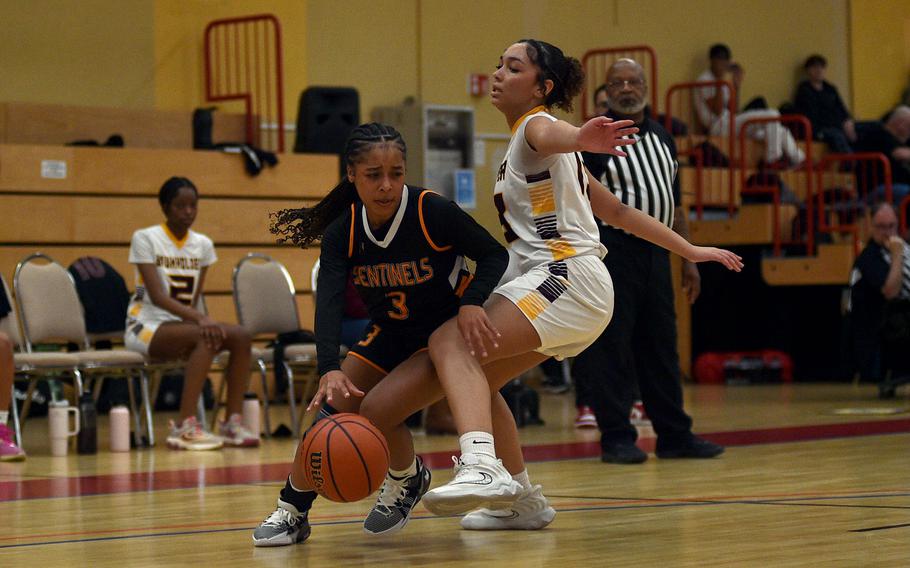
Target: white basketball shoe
[(529, 512), (480, 481)]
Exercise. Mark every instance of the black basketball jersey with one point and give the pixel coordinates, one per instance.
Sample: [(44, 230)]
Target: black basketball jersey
[(410, 273), (404, 277)]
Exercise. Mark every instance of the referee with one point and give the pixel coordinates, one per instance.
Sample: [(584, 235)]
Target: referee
[(639, 345)]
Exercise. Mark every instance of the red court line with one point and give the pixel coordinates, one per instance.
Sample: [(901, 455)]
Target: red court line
[(277, 472)]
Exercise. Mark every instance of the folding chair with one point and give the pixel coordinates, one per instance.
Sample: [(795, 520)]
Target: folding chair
[(50, 312), (34, 366), (264, 298)]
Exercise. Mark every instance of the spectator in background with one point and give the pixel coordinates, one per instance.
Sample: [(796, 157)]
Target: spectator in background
[(890, 138), (638, 348), (712, 107), (819, 101), (880, 278)]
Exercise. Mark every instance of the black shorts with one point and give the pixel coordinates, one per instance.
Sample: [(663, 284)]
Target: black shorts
[(385, 349)]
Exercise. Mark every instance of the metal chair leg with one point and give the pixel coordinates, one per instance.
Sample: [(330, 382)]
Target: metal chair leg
[(265, 397), (292, 400), (27, 403), (17, 428), (147, 403), (137, 423)]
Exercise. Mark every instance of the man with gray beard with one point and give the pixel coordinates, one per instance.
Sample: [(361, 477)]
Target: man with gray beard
[(639, 345)]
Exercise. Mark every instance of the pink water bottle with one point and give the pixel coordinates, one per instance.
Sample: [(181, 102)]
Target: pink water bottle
[(251, 413), (120, 429)]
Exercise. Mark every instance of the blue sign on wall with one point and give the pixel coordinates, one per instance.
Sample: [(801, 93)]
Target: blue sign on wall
[(465, 194)]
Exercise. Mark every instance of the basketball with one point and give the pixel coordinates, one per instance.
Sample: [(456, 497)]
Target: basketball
[(346, 457)]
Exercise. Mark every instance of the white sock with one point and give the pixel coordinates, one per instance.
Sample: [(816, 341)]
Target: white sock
[(4, 416), (400, 474), (523, 479), (477, 443)]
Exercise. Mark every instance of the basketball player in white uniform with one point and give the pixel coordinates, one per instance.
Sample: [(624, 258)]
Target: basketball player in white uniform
[(163, 322), (562, 300)]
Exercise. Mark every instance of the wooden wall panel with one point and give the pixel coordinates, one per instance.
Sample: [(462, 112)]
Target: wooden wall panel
[(128, 171)]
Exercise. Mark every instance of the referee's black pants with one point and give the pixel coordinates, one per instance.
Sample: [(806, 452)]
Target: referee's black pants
[(638, 345)]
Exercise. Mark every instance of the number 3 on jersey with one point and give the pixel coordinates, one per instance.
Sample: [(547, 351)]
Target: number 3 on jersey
[(398, 302)]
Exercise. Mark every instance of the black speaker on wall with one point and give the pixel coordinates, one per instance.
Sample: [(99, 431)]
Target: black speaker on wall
[(325, 118)]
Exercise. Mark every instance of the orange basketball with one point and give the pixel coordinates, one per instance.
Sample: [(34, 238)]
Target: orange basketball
[(346, 457)]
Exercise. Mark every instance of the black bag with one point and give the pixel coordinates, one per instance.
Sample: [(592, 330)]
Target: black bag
[(711, 156), (523, 401), (895, 329), (172, 388), (283, 339)]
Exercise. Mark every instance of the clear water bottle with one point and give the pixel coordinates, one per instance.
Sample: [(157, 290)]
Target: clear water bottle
[(251, 413), (87, 440)]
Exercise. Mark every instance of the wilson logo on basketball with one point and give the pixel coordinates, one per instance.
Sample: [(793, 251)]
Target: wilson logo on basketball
[(316, 470)]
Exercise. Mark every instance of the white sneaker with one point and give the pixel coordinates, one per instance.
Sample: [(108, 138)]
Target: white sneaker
[(529, 512), (480, 482), (190, 436), (235, 434)]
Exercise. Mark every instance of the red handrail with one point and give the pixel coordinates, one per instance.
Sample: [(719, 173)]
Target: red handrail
[(851, 164), (774, 190), (236, 70), (904, 207), (595, 63), (694, 123)]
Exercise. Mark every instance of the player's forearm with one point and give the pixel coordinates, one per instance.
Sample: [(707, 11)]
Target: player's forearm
[(549, 137)]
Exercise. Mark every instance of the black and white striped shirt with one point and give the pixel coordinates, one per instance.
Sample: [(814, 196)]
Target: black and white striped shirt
[(647, 178)]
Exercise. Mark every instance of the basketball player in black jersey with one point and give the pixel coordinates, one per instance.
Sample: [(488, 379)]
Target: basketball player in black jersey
[(404, 247)]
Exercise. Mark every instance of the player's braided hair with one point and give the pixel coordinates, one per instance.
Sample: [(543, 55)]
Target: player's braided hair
[(171, 187), (305, 225), (565, 72)]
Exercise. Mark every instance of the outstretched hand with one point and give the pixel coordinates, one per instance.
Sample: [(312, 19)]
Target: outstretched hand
[(476, 329), (731, 260), (603, 135), (331, 384)]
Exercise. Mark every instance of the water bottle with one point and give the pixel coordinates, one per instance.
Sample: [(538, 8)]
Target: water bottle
[(87, 440), (58, 426), (251, 413), (120, 429)]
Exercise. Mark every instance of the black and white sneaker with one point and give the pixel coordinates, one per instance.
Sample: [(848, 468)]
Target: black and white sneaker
[(397, 498), (285, 526), (480, 481)]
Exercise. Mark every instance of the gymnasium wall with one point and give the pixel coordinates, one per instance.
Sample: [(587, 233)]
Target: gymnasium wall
[(90, 52), (879, 53)]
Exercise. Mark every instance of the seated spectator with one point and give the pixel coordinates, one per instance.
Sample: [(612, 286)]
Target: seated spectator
[(712, 108), (890, 138), (880, 279), (164, 324), (819, 101)]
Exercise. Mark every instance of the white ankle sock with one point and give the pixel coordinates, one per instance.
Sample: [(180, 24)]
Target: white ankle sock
[(523, 479), (477, 443), (400, 474), (4, 416)]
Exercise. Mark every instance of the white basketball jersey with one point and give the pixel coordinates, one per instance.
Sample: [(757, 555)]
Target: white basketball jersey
[(543, 203), (178, 263)]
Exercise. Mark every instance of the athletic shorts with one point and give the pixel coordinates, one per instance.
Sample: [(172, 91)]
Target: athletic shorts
[(139, 333), (385, 349), (569, 302)]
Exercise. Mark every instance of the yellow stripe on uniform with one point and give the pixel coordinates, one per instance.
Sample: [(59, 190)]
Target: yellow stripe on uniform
[(542, 199), (145, 336), (533, 305), (560, 249)]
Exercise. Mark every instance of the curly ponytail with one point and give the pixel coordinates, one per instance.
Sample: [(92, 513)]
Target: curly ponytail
[(306, 225), (565, 72)]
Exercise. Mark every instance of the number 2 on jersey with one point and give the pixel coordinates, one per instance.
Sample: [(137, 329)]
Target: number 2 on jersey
[(182, 288), (398, 302)]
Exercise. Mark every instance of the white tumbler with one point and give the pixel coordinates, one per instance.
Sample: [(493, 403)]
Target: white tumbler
[(58, 427), (251, 413)]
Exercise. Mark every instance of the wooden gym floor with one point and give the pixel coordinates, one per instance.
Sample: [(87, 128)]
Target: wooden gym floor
[(799, 485)]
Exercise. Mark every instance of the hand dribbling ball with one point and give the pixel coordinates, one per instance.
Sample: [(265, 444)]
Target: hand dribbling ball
[(346, 457)]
